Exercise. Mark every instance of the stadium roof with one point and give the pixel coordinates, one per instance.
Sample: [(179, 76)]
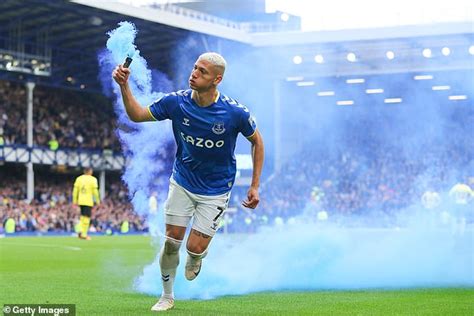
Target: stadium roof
[(270, 34), (71, 34)]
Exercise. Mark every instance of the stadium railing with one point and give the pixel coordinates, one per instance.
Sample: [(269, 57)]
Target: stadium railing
[(99, 159)]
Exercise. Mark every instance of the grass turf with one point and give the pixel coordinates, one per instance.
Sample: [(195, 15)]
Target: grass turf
[(97, 276)]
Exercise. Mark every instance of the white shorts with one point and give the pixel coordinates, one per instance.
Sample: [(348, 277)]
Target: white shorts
[(181, 205)]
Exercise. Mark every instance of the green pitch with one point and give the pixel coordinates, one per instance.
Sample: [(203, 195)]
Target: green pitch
[(97, 276)]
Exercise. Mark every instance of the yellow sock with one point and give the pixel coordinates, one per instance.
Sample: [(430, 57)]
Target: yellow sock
[(85, 225), (81, 223)]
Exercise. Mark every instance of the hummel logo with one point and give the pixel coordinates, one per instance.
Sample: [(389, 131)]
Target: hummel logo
[(185, 121), (165, 278)]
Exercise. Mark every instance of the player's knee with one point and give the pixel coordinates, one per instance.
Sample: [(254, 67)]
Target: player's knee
[(195, 247), (171, 245), (169, 255)]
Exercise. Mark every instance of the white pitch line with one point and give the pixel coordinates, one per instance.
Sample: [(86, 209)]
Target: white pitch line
[(44, 245)]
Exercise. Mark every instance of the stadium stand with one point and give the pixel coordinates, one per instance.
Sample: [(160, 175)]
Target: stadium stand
[(52, 210), (65, 119), (368, 175)]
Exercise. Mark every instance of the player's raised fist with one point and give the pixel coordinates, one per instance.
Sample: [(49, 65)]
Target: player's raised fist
[(121, 74)]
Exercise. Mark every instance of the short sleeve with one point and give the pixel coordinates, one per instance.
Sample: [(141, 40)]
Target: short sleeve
[(162, 108), (247, 123)]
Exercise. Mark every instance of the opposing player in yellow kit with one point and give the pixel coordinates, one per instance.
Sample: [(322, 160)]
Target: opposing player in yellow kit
[(85, 194)]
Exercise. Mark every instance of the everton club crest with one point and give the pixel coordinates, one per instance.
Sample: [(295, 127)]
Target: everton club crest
[(218, 128)]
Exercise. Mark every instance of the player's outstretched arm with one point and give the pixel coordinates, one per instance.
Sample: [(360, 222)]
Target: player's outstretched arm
[(135, 111), (258, 154)]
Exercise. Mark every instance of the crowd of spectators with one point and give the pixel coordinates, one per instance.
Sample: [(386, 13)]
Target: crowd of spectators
[(61, 119), (368, 166), (368, 170), (377, 180), (52, 211)]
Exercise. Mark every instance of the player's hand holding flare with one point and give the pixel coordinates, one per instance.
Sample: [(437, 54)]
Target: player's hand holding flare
[(252, 198), (121, 74)]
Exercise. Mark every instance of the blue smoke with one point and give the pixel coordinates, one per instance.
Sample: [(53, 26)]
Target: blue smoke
[(142, 142), (299, 256), (304, 256)]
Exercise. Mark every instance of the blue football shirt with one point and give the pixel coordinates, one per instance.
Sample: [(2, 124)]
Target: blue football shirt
[(206, 137)]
